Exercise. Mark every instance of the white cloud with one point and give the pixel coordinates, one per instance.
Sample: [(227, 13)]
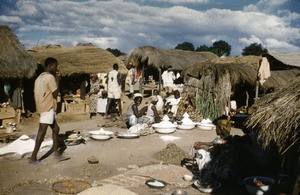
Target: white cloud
[(125, 25), (183, 1), (250, 40), (265, 5), (280, 46), (10, 19)]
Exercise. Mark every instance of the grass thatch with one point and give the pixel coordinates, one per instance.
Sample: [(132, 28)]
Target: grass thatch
[(225, 74), (160, 58), (277, 117), (78, 59), (291, 59), (14, 60)]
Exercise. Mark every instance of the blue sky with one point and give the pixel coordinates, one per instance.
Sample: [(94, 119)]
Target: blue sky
[(126, 24)]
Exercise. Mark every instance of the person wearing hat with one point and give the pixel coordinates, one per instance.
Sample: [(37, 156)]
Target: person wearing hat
[(223, 128), (133, 114), (152, 113)]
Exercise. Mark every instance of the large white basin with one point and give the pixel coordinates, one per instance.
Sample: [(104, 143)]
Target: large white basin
[(184, 126), (206, 127), (171, 128)]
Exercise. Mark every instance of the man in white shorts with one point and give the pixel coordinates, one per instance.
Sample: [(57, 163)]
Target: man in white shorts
[(45, 93), (114, 90)]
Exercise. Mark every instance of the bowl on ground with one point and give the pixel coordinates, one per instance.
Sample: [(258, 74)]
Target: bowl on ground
[(186, 126), (258, 185), (208, 188), (99, 132), (179, 192), (100, 136), (164, 129), (206, 127), (155, 184)]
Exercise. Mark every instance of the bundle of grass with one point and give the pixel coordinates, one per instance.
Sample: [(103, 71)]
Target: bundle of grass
[(277, 117)]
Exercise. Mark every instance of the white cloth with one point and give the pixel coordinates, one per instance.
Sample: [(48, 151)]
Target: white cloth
[(168, 78), (202, 158), (233, 105), (264, 70), (113, 87), (47, 117), (174, 104), (22, 147), (160, 103), (101, 106)]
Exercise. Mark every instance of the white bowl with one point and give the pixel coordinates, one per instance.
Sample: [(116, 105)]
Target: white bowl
[(165, 130), (100, 136), (171, 128), (206, 127), (258, 190), (186, 126), (97, 132), (215, 186)]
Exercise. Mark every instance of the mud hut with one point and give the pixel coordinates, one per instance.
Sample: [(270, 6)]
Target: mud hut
[(17, 67), (153, 60), (14, 60), (277, 121), (236, 78), (78, 59)]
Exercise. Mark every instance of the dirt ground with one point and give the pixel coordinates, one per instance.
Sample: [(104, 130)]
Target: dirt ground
[(115, 156)]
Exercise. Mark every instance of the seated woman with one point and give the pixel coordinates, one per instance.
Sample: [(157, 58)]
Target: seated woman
[(152, 113), (133, 114), (160, 103), (171, 105)]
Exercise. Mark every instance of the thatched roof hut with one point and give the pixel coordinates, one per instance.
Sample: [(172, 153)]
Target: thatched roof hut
[(277, 117), (289, 59), (78, 59), (224, 76), (14, 60), (161, 58)]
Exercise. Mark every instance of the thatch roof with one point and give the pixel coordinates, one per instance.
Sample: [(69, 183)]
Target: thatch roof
[(14, 60), (78, 59), (291, 59), (224, 74), (241, 68), (277, 117), (161, 58)]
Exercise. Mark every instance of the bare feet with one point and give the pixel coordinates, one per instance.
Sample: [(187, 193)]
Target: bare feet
[(34, 162)]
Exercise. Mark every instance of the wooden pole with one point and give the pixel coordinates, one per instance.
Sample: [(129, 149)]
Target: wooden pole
[(159, 75), (256, 91)]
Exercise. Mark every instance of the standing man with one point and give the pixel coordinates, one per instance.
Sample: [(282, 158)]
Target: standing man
[(130, 79), (114, 90), (168, 78), (45, 93)]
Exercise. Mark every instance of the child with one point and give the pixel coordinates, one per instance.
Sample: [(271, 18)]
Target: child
[(152, 114)]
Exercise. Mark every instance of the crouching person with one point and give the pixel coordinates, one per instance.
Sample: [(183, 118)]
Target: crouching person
[(133, 114)]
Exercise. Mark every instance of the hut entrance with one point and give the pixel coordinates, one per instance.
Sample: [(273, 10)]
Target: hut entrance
[(244, 95)]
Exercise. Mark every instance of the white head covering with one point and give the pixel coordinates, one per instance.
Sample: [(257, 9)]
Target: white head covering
[(137, 95)]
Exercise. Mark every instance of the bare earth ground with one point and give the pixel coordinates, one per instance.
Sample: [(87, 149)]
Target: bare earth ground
[(115, 156)]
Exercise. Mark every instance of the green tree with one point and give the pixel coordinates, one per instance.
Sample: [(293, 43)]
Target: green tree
[(203, 48), (254, 49), (186, 46), (115, 52), (221, 48)]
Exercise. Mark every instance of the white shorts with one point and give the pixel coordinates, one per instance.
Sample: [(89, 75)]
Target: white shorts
[(114, 94), (47, 117)]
